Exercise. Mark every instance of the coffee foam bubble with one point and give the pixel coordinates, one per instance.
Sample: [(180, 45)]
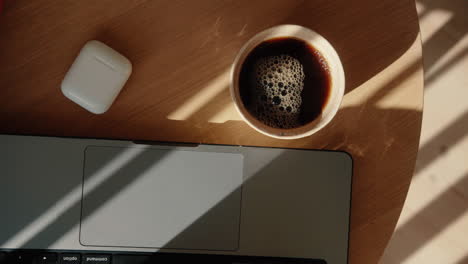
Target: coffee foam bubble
[(279, 81)]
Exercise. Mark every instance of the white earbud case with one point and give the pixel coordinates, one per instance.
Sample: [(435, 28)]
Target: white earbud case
[(96, 77)]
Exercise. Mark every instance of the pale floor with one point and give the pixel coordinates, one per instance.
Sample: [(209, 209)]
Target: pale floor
[(433, 227)]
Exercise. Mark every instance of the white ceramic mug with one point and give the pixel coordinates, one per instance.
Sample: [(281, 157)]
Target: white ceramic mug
[(336, 72)]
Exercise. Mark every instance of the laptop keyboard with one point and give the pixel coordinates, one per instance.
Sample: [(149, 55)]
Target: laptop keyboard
[(38, 257)]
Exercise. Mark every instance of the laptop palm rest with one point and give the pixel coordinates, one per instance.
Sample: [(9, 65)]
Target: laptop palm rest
[(109, 196), (161, 198)]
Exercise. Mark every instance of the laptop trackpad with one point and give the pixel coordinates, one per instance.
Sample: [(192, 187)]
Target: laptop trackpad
[(160, 198)]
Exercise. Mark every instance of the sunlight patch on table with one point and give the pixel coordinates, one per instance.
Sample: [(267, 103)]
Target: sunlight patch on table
[(202, 98), (229, 112)]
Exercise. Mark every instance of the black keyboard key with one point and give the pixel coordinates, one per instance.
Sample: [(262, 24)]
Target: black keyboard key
[(174, 258), (70, 258), (169, 258), (20, 258), (134, 259), (46, 258), (96, 259)]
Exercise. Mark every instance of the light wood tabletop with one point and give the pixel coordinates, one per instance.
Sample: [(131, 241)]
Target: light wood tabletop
[(182, 52)]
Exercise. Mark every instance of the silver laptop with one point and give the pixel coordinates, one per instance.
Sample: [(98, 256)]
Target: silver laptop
[(87, 195)]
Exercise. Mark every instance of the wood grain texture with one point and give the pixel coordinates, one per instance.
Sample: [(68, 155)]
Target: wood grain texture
[(181, 49)]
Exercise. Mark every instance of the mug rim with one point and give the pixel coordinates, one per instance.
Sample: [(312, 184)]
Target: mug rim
[(310, 127)]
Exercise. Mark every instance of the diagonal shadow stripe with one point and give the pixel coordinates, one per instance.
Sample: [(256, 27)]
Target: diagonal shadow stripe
[(449, 136), (460, 55), (100, 195), (403, 246), (464, 260)]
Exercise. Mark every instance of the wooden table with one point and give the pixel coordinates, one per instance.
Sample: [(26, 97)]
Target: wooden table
[(181, 53)]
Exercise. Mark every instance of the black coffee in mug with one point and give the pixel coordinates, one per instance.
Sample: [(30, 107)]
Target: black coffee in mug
[(284, 82)]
